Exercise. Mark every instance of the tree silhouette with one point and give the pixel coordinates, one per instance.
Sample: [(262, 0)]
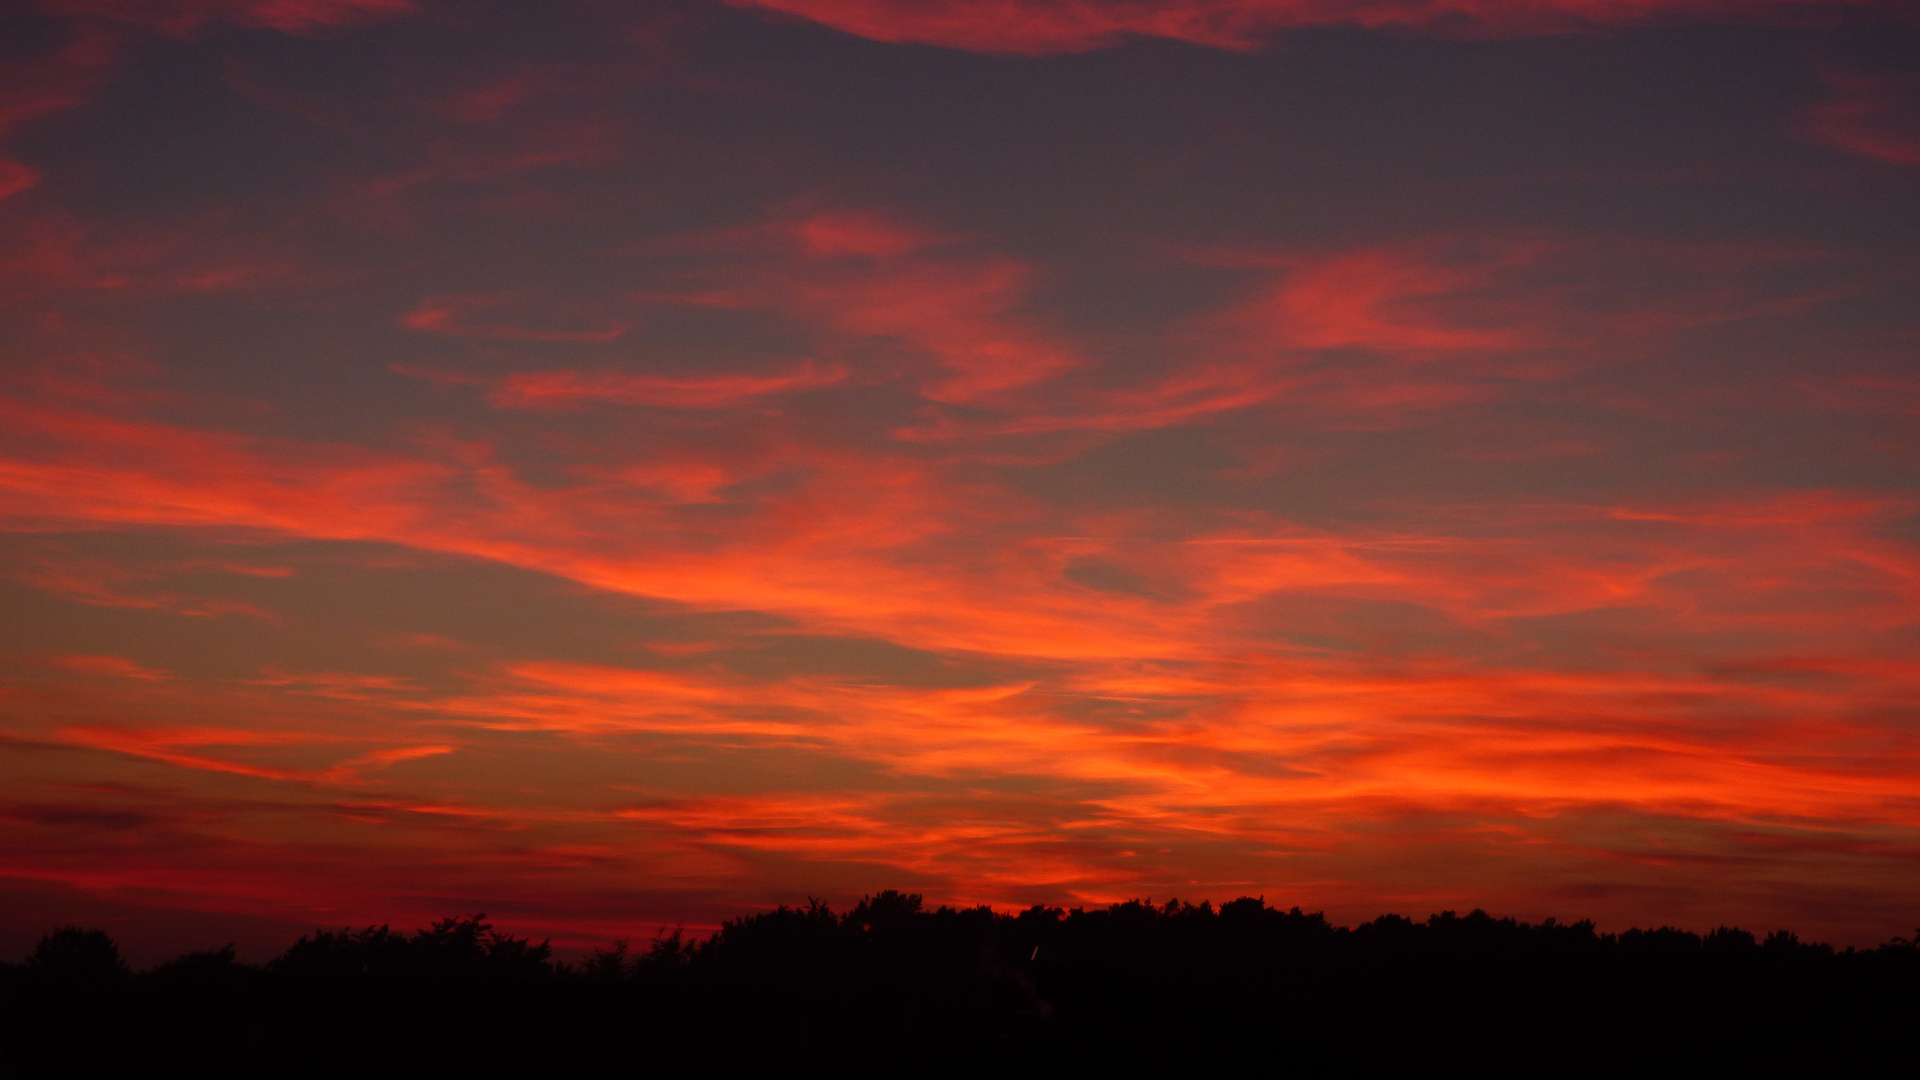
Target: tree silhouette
[(892, 987)]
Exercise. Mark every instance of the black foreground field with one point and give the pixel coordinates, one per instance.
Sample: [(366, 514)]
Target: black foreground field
[(892, 989)]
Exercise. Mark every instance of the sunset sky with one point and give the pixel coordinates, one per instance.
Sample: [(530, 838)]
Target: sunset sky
[(615, 465)]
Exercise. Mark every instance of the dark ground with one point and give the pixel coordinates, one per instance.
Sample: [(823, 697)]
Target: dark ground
[(890, 989)]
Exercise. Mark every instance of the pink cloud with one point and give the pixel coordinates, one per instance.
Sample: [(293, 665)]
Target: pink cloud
[(1069, 26)]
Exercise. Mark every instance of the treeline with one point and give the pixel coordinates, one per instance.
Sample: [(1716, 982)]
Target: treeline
[(891, 988)]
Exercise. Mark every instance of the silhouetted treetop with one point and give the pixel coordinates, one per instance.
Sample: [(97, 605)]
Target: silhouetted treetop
[(71, 956), (467, 947)]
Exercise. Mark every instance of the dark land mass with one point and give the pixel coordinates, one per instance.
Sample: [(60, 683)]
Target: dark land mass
[(892, 989)]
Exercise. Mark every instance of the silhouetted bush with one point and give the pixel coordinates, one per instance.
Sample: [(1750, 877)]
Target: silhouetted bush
[(72, 957), (892, 988)]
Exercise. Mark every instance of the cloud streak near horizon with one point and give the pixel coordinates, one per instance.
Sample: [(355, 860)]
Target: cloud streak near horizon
[(614, 471)]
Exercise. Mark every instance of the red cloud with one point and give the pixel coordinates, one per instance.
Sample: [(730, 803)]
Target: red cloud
[(505, 317), (1038, 27), (865, 277), (179, 17), (42, 253), (16, 178), (1492, 295), (1371, 336), (34, 86), (566, 388), (858, 233), (1875, 117)]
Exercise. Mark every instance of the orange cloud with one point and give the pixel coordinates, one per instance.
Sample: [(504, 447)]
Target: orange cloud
[(118, 667), (561, 389), (179, 747), (1370, 556), (109, 584)]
